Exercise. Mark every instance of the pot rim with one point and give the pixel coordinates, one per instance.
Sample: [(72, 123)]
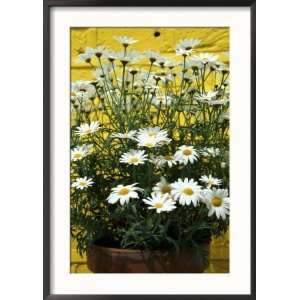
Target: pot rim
[(128, 250), (120, 250)]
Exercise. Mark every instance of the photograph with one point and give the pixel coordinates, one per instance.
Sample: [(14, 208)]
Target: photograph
[(149, 150)]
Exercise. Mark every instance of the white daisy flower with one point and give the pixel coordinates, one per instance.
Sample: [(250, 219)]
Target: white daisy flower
[(123, 193), (218, 66), (133, 72), (157, 77), (218, 102), (87, 106), (82, 90), (160, 202), (152, 55), (194, 64), (125, 40), (154, 132), (100, 50), (82, 104), (158, 161), (210, 181), (162, 187), (208, 98), (160, 61), (82, 95), (86, 56), (170, 160), (184, 52), (186, 154), (204, 98), (223, 165), (127, 135), (89, 148), (187, 77), (111, 55), (226, 83), (138, 84), (186, 191), (151, 87), (224, 117), (207, 58), (128, 57), (85, 128), (82, 183), (134, 157), (152, 137), (162, 100), (102, 72), (217, 202), (83, 57), (147, 141), (79, 153), (171, 64), (210, 151), (161, 161), (187, 44)]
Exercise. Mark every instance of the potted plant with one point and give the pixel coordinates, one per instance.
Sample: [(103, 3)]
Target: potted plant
[(149, 158)]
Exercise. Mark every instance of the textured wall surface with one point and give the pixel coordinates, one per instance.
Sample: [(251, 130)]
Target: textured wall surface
[(214, 40)]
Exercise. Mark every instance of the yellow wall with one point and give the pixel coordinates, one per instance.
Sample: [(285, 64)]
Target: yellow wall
[(215, 40)]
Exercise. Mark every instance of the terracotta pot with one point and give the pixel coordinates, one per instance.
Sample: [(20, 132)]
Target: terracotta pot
[(114, 260)]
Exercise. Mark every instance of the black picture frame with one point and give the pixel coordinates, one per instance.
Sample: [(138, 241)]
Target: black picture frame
[(48, 4)]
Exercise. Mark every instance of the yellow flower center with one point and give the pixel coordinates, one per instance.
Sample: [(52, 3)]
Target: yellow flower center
[(166, 189), (77, 155), (87, 131), (158, 205), (134, 160), (187, 152), (169, 157), (216, 201), (149, 145), (188, 191), (123, 191), (152, 134), (82, 183)]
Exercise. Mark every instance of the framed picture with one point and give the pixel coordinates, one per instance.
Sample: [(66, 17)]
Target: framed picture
[(149, 149)]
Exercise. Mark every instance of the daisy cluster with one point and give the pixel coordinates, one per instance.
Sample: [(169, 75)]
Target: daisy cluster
[(164, 196), (116, 72), (150, 146), (154, 137)]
